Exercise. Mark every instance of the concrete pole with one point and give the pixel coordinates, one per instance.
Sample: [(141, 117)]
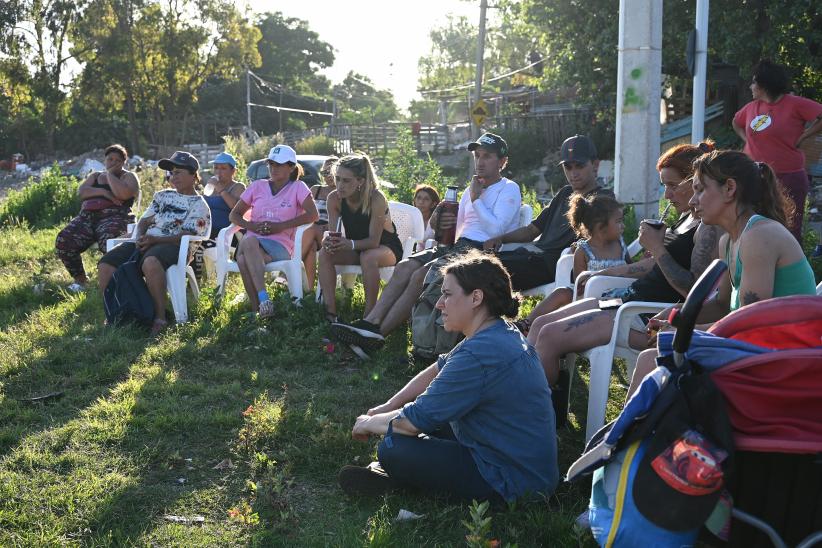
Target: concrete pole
[(639, 83), (700, 71), (480, 60)]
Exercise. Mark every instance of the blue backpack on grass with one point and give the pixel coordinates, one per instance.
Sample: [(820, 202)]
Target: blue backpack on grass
[(126, 298)]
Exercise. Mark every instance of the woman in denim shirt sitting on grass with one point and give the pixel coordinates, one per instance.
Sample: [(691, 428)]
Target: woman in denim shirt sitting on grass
[(479, 423)]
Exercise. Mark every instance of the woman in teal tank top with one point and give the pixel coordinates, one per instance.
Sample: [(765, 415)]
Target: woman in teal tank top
[(764, 259)]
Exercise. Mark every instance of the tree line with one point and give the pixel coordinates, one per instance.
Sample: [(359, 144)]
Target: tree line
[(82, 73)]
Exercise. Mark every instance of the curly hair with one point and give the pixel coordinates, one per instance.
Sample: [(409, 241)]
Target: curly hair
[(772, 78), (477, 270), (586, 213)]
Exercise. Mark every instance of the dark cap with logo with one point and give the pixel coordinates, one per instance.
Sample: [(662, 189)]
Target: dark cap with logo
[(180, 159), (579, 148), (492, 142)]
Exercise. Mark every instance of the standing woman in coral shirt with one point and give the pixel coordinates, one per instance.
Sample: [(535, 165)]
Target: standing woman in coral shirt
[(773, 127)]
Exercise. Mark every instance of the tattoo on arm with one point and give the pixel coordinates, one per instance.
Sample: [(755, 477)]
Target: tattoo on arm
[(750, 297), (679, 278), (704, 249), (576, 322), (636, 268)]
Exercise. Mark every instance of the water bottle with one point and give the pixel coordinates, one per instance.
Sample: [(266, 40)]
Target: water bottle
[(447, 236)]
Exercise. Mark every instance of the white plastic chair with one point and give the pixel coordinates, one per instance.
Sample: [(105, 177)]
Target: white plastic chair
[(602, 357), (293, 269), (410, 229), (176, 274), (562, 276), (526, 215)]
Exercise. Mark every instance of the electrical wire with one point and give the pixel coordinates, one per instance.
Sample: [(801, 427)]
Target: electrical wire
[(494, 79)]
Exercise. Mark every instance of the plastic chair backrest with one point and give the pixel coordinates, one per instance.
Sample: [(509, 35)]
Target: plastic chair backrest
[(526, 215), (408, 221)]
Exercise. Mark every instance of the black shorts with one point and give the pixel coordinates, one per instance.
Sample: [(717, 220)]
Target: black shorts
[(529, 269), (165, 253)]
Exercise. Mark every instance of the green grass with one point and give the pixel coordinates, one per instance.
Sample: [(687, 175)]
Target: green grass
[(139, 427)]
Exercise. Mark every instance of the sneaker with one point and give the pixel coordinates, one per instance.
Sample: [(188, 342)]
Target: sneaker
[(560, 396), (76, 287), (361, 333), (368, 481), (266, 309)]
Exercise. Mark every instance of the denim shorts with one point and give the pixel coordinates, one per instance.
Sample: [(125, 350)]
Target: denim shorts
[(275, 249)]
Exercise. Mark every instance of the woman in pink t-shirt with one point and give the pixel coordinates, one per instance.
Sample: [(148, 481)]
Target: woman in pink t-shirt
[(278, 206), (773, 127)]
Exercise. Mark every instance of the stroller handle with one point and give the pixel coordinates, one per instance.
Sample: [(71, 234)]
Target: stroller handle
[(685, 319)]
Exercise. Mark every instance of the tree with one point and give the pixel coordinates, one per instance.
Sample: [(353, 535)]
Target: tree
[(168, 51), (39, 34), (292, 55), (360, 102), (451, 62)]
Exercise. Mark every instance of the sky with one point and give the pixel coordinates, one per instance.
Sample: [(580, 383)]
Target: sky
[(382, 39)]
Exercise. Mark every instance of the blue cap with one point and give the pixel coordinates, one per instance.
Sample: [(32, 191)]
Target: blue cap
[(224, 158)]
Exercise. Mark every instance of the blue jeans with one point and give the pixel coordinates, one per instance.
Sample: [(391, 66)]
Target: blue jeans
[(434, 464), (274, 249)]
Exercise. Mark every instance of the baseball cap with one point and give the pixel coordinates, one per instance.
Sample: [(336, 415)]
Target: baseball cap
[(180, 158), (282, 154), (491, 142), (224, 158), (579, 148)]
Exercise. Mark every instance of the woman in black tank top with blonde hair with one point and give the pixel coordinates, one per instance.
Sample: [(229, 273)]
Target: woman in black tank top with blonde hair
[(358, 206)]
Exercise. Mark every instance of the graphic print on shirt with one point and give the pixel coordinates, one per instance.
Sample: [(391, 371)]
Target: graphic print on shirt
[(761, 122)]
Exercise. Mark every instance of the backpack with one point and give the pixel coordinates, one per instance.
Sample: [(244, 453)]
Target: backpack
[(685, 428), (429, 338), (126, 297)]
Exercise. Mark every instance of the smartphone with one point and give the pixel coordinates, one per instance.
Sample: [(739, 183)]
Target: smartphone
[(610, 304), (654, 223)]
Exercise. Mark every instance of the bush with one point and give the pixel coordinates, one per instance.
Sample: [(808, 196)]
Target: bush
[(44, 203), (318, 144), (241, 148), (406, 169), (527, 147)]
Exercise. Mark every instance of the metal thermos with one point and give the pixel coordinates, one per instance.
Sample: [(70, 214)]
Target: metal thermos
[(447, 236)]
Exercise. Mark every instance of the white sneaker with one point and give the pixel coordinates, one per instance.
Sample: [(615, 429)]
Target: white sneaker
[(76, 288)]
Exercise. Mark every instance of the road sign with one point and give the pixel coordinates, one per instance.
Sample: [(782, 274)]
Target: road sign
[(479, 112)]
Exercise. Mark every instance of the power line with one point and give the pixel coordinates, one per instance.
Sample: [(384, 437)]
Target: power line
[(311, 112), (494, 79)]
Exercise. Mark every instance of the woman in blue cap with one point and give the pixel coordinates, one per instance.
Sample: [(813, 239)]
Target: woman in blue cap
[(221, 193)]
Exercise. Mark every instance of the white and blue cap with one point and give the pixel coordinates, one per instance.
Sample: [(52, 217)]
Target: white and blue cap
[(283, 154), (224, 158)]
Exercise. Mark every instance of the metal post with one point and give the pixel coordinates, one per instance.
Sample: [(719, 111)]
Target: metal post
[(248, 98), (700, 72), (480, 55)]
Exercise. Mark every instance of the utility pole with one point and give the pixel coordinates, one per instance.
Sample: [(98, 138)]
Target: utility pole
[(639, 80), (248, 98), (700, 72), (480, 58)]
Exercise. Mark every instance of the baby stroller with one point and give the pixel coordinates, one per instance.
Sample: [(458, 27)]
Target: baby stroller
[(728, 425)]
